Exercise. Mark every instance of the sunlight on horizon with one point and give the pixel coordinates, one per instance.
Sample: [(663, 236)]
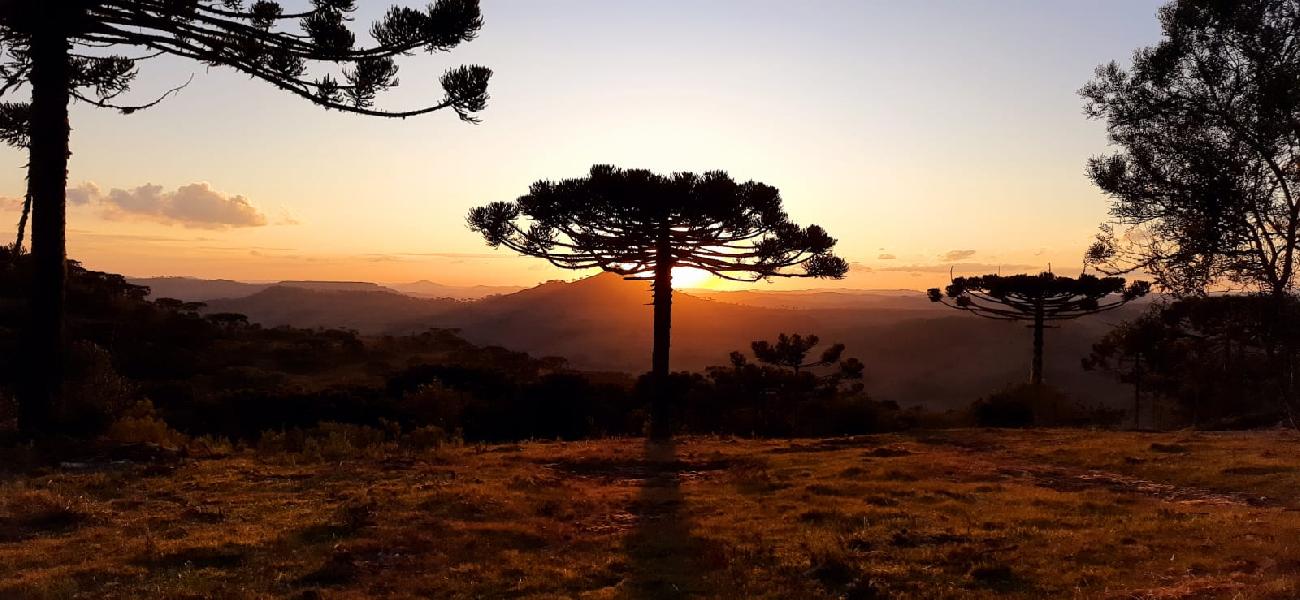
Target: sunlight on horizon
[(906, 148), (690, 277)]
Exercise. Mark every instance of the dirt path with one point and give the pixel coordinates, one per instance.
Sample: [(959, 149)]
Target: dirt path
[(1073, 479)]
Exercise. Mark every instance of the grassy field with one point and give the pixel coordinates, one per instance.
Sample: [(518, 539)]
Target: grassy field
[(950, 514)]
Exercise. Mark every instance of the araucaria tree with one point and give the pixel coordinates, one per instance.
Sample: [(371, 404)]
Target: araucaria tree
[(643, 225), (89, 50), (1038, 299), (791, 352)]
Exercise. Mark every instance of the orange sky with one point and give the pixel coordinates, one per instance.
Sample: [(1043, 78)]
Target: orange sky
[(925, 136)]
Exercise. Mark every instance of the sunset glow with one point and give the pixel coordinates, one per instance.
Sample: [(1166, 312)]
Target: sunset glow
[(909, 130), (689, 277)]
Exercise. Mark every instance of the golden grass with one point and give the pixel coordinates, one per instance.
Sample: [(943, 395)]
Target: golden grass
[(951, 514)]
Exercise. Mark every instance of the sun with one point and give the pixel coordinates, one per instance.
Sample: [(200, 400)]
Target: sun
[(689, 277)]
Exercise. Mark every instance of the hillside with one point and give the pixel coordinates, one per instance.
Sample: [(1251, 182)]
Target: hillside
[(364, 311), (192, 289), (956, 514), (916, 352), (603, 323), (824, 299), (430, 289)]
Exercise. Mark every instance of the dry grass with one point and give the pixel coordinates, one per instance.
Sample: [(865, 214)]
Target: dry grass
[(954, 514)]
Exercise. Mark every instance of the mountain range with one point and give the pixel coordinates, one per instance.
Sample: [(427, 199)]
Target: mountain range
[(915, 351), (193, 289)]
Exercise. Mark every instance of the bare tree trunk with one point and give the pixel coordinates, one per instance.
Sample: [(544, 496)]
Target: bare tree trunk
[(1036, 366), (47, 175), (1137, 393), (660, 428)]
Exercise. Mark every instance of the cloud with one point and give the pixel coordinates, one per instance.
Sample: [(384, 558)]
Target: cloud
[(84, 193), (130, 238), (969, 268), (492, 255), (194, 205), (287, 219), (886, 257), (956, 255)]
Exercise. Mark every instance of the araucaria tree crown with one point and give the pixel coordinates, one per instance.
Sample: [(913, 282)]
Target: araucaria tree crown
[(633, 222), (261, 39), (1038, 298), (791, 351), (642, 225)]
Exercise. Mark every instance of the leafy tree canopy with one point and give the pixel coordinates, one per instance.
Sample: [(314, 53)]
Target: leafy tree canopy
[(1207, 126)]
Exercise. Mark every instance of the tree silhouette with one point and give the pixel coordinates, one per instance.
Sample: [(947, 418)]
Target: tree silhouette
[(781, 385), (791, 351), (89, 51), (1038, 298), (1135, 352), (1204, 188), (641, 225)]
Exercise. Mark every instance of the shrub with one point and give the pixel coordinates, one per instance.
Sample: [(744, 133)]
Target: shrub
[(1012, 407), (1029, 405), (141, 425), (327, 441), (94, 394), (429, 437)]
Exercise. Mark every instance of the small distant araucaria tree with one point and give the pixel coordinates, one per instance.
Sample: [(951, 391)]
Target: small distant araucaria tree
[(1038, 298), (791, 351), (642, 225)]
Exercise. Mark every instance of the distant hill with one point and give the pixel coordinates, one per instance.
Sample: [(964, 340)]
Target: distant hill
[(366, 311), (916, 352), (603, 323), (193, 289), (821, 299), (429, 289), (338, 286)]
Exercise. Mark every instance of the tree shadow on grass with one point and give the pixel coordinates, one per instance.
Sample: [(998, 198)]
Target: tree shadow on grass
[(663, 555)]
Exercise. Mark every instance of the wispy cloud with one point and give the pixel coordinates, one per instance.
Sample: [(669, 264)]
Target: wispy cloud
[(959, 268), (956, 255), (458, 254), (131, 237)]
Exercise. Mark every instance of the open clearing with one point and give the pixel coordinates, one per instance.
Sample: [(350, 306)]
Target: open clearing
[(946, 514)]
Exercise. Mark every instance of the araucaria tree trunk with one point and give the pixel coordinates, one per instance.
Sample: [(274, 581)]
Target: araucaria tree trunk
[(47, 181), (663, 317), (1036, 366)]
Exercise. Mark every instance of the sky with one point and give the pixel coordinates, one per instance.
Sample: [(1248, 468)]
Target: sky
[(928, 136)]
